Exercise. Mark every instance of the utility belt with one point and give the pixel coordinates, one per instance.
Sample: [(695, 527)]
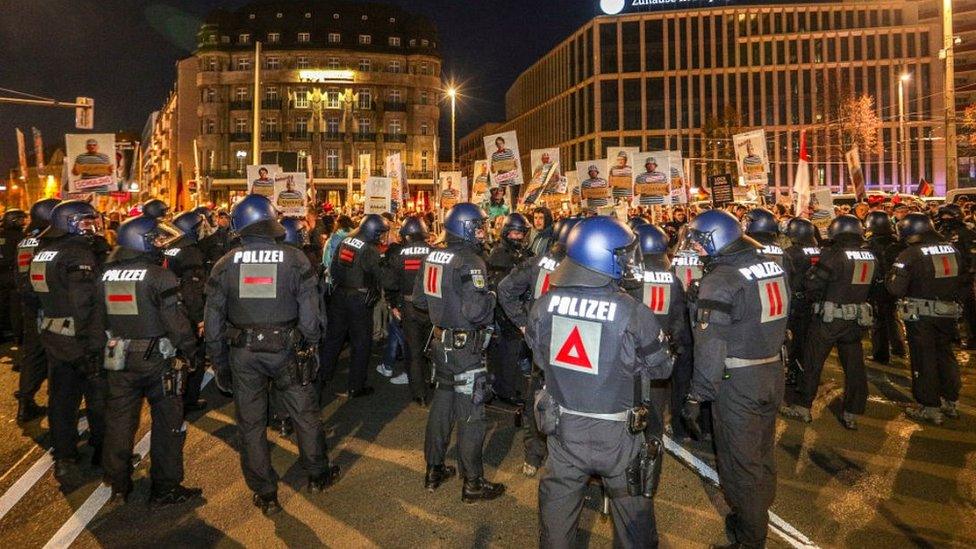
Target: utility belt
[(117, 348), (910, 309), (618, 416), (731, 362), (460, 339), (263, 338), (57, 325), (463, 383), (830, 311)]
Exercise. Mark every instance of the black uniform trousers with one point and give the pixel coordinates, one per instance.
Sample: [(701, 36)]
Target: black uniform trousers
[(449, 406), (503, 358), (580, 448), (935, 372), (33, 363), (744, 420), (533, 441), (799, 323), (8, 300), (886, 332), (142, 379), (821, 338), (67, 384), (194, 380), (681, 374), (16, 315), (416, 330), (349, 317), (253, 373)]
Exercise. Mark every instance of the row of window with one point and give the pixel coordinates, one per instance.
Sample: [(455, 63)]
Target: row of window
[(275, 62), (334, 38), (332, 159), (302, 126), (300, 96)]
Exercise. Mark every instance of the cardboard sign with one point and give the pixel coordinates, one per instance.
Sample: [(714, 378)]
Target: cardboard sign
[(722, 190)]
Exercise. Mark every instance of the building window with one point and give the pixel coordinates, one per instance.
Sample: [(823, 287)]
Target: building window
[(424, 128), (333, 63), (240, 93), (394, 96), (274, 37), (240, 125), (423, 161), (270, 125), (364, 65), (302, 62), (271, 93), (395, 41), (394, 67), (424, 42), (365, 99), (424, 97), (240, 161), (301, 98), (332, 160), (332, 99), (424, 68), (301, 125), (365, 125), (243, 64), (209, 95), (243, 38), (365, 39), (395, 126), (207, 126), (413, 42), (335, 38), (332, 126), (272, 62), (304, 37), (210, 64), (225, 39)]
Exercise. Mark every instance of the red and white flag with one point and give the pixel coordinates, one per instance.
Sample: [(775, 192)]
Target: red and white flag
[(801, 183)]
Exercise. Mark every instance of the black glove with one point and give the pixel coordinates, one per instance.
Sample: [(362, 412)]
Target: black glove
[(224, 380), (691, 294), (92, 364), (690, 412)]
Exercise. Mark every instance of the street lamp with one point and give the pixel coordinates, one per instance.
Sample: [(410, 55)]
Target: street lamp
[(452, 93), (903, 79)]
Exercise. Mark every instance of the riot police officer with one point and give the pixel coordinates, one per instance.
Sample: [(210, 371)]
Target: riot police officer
[(507, 346), (402, 266), (963, 238), (886, 338), (155, 208), (187, 261), (262, 302), (148, 327), (63, 281), (356, 276), (11, 233), (926, 278), (799, 256), (32, 362), (761, 225), (838, 286), (664, 295), (739, 328), (516, 294), (597, 345), (453, 289)]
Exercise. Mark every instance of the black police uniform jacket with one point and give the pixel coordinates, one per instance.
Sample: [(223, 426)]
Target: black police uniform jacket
[(844, 274), (742, 310), (401, 265), (356, 266), (527, 282), (503, 258), (187, 261), (929, 268), (661, 292)]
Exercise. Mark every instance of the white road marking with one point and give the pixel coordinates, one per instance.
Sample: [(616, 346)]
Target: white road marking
[(779, 526), (77, 523)]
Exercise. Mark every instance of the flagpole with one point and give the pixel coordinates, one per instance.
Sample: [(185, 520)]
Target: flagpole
[(256, 98)]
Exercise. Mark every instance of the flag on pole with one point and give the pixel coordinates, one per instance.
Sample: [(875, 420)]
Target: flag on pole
[(38, 149), (801, 182), (311, 181), (21, 154), (924, 188)]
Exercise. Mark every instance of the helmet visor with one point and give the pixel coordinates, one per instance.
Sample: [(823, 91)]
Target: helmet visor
[(165, 235), (89, 224), (631, 261)]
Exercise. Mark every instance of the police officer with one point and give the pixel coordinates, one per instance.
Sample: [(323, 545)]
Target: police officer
[(926, 278), (799, 256), (507, 345), (218, 242), (402, 265), (960, 235), (664, 295), (148, 326), (356, 278), (597, 345), (155, 208), (11, 233), (739, 328), (187, 261), (886, 338), (838, 286), (32, 362), (761, 226), (453, 289), (516, 294), (63, 281), (261, 299)]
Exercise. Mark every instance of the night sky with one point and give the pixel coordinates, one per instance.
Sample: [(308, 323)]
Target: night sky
[(122, 53)]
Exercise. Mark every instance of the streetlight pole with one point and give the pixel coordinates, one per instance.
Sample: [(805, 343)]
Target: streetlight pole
[(452, 93), (948, 43), (903, 137)]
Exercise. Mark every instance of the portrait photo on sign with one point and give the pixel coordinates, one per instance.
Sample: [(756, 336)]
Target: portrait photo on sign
[(545, 173), (261, 179), (750, 155), (289, 195), (594, 187), (480, 182), (394, 170), (621, 163), (451, 189), (90, 162), (379, 195), (679, 183), (653, 181), (504, 162)]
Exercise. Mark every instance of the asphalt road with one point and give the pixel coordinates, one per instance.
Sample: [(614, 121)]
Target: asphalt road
[(893, 483)]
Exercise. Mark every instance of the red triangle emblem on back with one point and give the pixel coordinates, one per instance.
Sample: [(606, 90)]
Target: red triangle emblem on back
[(573, 352)]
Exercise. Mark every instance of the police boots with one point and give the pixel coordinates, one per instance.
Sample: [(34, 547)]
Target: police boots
[(437, 475), (28, 410), (173, 496), (322, 481), (480, 489), (796, 412), (268, 504), (929, 414), (950, 409)]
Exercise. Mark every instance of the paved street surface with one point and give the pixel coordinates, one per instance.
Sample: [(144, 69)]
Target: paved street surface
[(894, 483)]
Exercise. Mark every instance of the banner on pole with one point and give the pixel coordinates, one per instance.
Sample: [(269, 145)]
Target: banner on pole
[(289, 193), (261, 179), (654, 183), (504, 162), (751, 157), (620, 163), (379, 195), (92, 162), (594, 188)]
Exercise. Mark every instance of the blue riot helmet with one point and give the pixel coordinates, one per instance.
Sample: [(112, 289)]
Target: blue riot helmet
[(155, 208), (606, 246), (464, 220), (759, 221), (255, 215), (877, 223), (413, 229), (189, 224), (801, 231), (653, 240), (296, 233), (716, 231), (845, 224), (913, 226), (74, 217), (373, 228)]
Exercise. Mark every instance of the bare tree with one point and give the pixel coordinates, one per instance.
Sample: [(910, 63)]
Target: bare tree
[(717, 133), (850, 120)]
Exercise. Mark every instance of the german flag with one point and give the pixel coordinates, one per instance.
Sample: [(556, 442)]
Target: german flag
[(924, 188)]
